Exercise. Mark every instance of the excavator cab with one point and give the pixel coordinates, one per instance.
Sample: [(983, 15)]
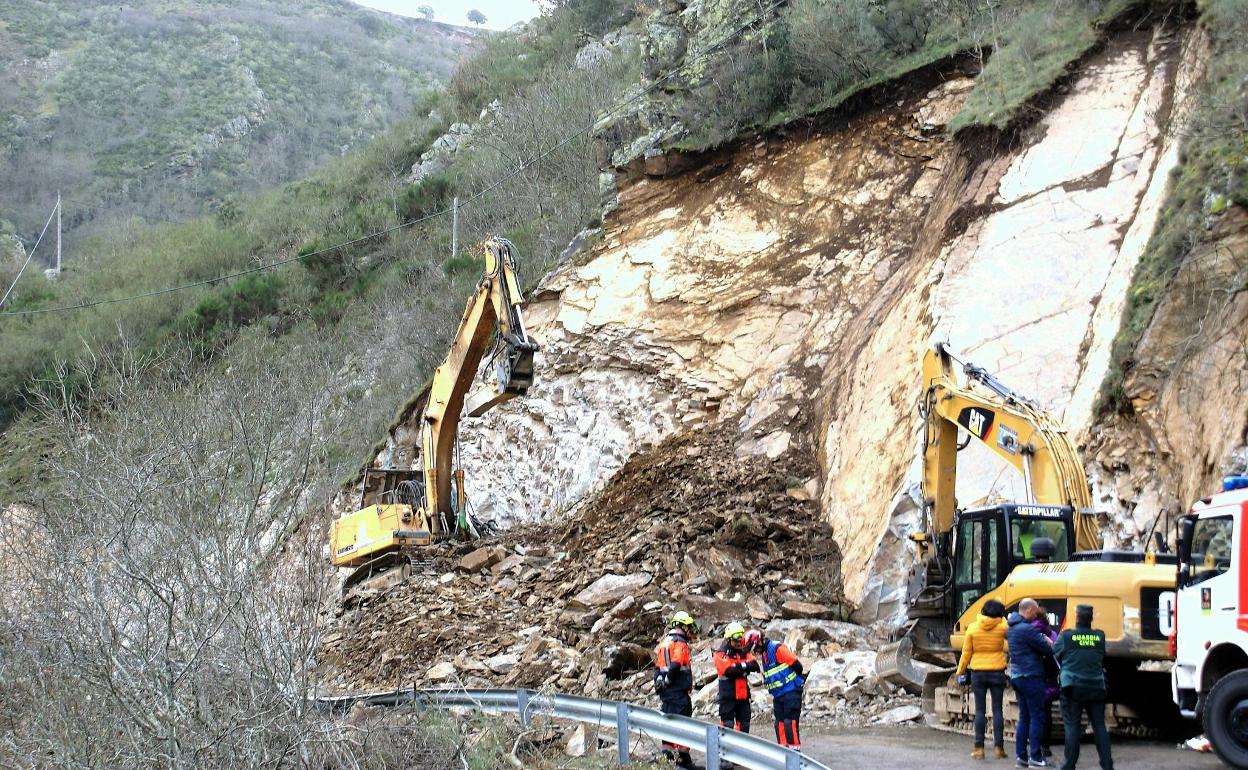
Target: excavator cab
[(991, 542), (390, 517)]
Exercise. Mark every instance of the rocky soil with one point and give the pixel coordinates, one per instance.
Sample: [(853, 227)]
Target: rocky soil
[(578, 604)]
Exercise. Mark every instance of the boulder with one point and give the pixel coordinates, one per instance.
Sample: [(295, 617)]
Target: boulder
[(709, 611), (758, 608), (482, 558), (898, 715), (837, 674), (707, 695), (624, 659), (592, 55), (795, 609), (501, 664), (577, 744), (440, 671), (846, 635), (608, 589)]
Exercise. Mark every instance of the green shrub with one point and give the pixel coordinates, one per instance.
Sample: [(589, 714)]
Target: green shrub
[(433, 193), (1033, 50), (219, 316)]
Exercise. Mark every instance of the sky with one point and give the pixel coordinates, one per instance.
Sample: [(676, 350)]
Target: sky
[(500, 14)]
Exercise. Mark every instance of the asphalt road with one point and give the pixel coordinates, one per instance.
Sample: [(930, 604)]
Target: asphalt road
[(922, 747)]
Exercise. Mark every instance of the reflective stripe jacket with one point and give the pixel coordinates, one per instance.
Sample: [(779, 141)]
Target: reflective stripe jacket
[(671, 657), (778, 673), (732, 665)]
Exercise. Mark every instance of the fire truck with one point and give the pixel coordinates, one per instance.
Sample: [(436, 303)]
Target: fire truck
[(1209, 679)]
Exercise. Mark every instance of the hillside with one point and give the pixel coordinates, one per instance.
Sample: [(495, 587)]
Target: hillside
[(161, 109), (740, 226)]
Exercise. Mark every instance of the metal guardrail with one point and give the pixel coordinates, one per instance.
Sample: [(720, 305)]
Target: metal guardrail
[(719, 744)]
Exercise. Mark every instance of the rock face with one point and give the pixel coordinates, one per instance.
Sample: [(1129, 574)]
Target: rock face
[(1188, 391), (788, 287)]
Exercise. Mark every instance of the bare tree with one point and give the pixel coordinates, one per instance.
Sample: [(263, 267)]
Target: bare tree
[(163, 605)]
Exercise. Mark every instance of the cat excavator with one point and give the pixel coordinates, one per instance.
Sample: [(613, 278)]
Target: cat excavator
[(1047, 547), (402, 509)]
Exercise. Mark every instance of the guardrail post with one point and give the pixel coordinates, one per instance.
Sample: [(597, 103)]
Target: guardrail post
[(522, 702), (712, 747), (793, 761), (621, 733)]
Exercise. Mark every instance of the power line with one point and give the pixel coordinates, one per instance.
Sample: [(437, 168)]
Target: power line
[(403, 225), (30, 255)]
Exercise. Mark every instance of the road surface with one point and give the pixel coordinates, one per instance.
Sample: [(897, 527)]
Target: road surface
[(921, 747)]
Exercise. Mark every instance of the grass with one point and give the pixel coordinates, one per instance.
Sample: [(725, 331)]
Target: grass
[(1031, 52), (817, 55)]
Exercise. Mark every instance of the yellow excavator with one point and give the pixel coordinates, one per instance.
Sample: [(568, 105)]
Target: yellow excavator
[(1047, 547), (401, 508)]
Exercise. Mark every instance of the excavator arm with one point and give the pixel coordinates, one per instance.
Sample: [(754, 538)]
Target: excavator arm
[(1015, 428), (495, 306)]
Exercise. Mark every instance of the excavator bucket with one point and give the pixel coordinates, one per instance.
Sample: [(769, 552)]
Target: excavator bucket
[(895, 664)]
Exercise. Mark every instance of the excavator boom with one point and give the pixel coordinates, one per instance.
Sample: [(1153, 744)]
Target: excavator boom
[(1013, 427)]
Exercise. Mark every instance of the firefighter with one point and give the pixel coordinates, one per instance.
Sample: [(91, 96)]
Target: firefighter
[(732, 663), (673, 679), (782, 675)]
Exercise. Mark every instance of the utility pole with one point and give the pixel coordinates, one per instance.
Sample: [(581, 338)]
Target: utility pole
[(58, 232), (455, 228)]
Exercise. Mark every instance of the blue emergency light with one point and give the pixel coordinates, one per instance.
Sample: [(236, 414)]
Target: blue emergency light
[(1232, 483)]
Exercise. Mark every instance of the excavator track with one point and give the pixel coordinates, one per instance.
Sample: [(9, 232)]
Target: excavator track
[(377, 576), (949, 707)]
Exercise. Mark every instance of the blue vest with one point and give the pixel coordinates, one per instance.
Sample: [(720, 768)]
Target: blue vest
[(779, 678)]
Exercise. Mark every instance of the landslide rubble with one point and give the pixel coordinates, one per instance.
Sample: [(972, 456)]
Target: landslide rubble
[(578, 604)]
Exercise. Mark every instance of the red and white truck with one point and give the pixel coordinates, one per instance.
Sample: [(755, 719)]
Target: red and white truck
[(1209, 680)]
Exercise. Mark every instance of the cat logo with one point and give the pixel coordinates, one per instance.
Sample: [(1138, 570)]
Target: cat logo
[(976, 421)]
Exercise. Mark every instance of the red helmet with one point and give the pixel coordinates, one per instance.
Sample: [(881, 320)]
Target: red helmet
[(753, 639)]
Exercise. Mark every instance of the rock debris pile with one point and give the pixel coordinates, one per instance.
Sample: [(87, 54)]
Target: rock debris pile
[(577, 605)]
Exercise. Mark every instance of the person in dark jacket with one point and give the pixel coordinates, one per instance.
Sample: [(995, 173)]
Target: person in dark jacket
[(782, 676), (1028, 650), (1081, 651), (1051, 687)]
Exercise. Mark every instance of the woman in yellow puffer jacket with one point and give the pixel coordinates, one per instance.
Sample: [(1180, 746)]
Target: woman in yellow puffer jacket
[(984, 656)]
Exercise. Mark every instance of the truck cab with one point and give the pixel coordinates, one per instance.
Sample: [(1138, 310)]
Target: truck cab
[(1209, 679)]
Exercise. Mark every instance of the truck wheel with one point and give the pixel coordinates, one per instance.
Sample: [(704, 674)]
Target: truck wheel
[(1226, 719)]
